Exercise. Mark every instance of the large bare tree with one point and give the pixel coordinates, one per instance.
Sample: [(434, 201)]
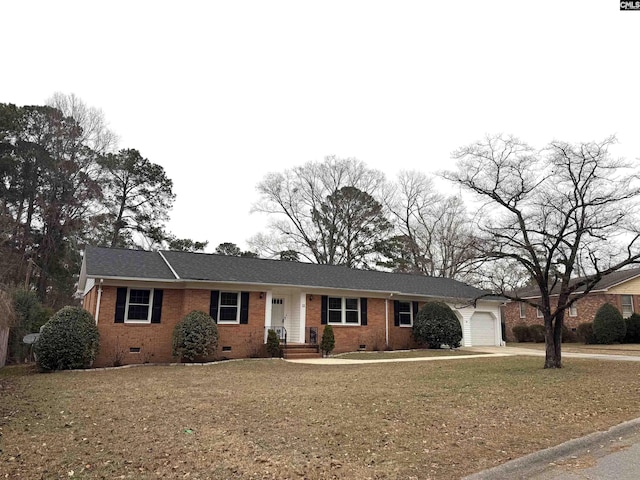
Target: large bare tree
[(552, 214), (318, 209), (433, 232)]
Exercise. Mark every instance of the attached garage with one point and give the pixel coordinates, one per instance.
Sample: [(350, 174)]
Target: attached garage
[(483, 329)]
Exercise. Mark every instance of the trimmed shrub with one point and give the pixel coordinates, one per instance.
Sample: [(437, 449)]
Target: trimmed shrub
[(195, 336), (633, 329), (536, 333), (328, 342), (568, 335), (521, 332), (436, 324), (608, 325), (273, 343), (585, 333), (68, 340)]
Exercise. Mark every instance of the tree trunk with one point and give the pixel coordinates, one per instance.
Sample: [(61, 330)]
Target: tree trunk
[(4, 345), (553, 343)]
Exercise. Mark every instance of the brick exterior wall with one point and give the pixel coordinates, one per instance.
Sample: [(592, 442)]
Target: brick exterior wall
[(154, 340), (235, 340), (349, 338), (586, 312)]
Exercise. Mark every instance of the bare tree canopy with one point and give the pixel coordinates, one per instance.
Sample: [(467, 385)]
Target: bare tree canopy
[(551, 215), (321, 211), (95, 134), (433, 231)]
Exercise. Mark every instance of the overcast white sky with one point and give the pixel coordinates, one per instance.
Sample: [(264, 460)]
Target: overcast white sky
[(220, 93)]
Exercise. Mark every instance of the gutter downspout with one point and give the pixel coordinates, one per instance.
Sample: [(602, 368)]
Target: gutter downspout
[(98, 301), (386, 321)]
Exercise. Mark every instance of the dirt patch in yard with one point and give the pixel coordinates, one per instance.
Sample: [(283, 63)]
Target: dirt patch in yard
[(269, 419)]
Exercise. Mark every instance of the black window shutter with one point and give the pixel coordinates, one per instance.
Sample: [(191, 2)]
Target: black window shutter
[(363, 311), (156, 311), (121, 303), (244, 307), (213, 305), (323, 310), (396, 313), (415, 309)]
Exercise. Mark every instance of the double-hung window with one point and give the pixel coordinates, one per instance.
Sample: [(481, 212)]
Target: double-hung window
[(523, 310), (343, 310), (138, 305), (405, 314), (229, 308), (627, 305), (573, 310)]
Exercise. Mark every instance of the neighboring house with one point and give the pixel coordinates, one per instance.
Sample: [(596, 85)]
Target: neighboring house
[(621, 289), (137, 297)]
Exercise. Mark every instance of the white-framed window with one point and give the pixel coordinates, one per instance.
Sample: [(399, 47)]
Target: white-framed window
[(523, 310), (627, 305), (573, 310), (405, 314), (538, 313), (343, 310), (229, 307), (138, 306)]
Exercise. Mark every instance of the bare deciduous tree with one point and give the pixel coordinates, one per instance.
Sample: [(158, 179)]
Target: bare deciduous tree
[(433, 233), (306, 202), (566, 210), (95, 133)]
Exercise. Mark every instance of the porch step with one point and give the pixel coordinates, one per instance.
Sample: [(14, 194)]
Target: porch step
[(293, 351)]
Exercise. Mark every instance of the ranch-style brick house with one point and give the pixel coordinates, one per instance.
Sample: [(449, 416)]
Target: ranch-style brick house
[(621, 289), (137, 298)]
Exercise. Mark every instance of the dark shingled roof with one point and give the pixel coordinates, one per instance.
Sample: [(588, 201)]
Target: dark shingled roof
[(221, 268), (118, 262)]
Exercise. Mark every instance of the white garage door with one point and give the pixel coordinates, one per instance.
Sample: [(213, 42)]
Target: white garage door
[(483, 329)]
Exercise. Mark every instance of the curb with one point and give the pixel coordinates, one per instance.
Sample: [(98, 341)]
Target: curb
[(525, 467)]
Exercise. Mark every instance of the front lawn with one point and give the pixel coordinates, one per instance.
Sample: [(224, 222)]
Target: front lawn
[(272, 419)]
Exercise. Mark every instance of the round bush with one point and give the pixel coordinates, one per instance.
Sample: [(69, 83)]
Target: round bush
[(633, 329), (195, 336), (68, 340), (521, 333), (568, 335), (436, 324), (585, 333), (608, 325), (536, 332)]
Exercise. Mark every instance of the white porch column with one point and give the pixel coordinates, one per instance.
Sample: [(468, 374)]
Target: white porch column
[(267, 313), (303, 317)]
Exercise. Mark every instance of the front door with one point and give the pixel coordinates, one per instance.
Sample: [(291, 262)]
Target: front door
[(278, 315)]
